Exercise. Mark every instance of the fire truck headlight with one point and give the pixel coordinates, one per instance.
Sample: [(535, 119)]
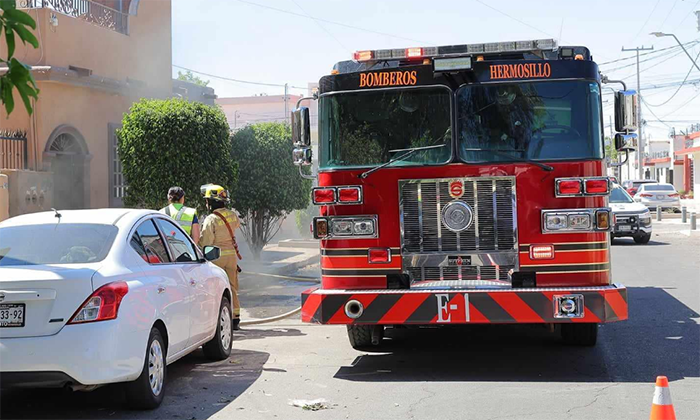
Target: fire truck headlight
[(580, 221), (342, 227), (364, 227), (556, 222)]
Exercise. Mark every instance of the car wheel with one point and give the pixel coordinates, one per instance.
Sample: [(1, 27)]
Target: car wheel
[(579, 334), (360, 336), (148, 390), (219, 347), (643, 239)]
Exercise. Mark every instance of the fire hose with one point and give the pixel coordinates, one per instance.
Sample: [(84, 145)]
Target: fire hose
[(284, 315)]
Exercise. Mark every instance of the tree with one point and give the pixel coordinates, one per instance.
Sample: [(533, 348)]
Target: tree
[(163, 143), (269, 185), (188, 76), (18, 75)]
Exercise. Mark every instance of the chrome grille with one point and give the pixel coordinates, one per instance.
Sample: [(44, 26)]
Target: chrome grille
[(493, 232)]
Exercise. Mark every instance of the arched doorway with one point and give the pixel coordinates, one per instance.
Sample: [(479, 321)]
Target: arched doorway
[(66, 155)]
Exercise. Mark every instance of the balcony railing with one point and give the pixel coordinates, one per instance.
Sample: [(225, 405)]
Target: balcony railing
[(87, 10)]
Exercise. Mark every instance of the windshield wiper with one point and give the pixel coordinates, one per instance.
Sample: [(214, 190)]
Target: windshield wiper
[(518, 159), (408, 153)]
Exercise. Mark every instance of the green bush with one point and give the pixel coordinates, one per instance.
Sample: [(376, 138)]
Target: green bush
[(269, 185), (303, 219), (163, 143)]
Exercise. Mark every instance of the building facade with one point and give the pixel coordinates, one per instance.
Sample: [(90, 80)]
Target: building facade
[(95, 58)]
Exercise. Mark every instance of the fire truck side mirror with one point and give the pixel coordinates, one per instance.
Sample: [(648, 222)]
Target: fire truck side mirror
[(625, 142), (301, 127), (626, 111), (302, 156)]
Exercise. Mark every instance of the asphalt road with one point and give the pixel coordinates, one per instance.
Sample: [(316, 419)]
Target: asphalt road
[(483, 372)]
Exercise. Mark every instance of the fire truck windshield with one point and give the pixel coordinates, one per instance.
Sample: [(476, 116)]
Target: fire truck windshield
[(539, 121), (369, 128)]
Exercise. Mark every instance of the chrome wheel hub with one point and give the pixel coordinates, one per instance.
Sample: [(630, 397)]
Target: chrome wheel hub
[(225, 327), (156, 367)]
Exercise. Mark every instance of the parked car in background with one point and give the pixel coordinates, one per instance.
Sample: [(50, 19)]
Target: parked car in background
[(659, 195), (630, 219), (632, 186), (92, 297)]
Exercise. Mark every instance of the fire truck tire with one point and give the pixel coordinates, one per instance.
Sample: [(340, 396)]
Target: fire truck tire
[(360, 336), (643, 239), (580, 334)]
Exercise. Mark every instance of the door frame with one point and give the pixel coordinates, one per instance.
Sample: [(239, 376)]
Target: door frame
[(82, 158)]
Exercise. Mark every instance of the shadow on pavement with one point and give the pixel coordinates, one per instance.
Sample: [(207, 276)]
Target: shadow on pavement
[(631, 242), (196, 389), (659, 339), (250, 333)]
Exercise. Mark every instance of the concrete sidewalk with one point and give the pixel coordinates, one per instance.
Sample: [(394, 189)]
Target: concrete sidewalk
[(674, 225), (283, 258)]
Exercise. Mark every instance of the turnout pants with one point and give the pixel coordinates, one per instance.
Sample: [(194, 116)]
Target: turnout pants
[(230, 264)]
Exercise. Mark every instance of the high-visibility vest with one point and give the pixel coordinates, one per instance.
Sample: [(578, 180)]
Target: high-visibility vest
[(184, 216)]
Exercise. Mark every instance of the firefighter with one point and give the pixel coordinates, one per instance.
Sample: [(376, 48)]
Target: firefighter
[(186, 217), (218, 230)]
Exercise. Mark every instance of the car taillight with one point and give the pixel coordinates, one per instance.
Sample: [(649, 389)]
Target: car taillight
[(646, 195), (597, 186), (102, 305), (674, 195), (323, 195), (568, 187), (350, 195)]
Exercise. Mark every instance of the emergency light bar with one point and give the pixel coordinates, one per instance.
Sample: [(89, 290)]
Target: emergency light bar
[(448, 50)]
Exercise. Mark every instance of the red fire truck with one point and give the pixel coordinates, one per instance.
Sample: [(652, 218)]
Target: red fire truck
[(464, 184)]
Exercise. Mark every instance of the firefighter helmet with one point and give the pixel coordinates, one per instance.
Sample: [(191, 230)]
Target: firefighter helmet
[(215, 192)]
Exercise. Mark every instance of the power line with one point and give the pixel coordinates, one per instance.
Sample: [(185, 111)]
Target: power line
[(686, 103), (669, 14), (289, 12), (686, 16), (646, 21), (322, 27), (652, 113), (238, 80), (677, 90), (694, 42), (513, 18)]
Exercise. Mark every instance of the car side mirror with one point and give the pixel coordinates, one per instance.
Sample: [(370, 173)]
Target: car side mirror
[(626, 111), (212, 253)]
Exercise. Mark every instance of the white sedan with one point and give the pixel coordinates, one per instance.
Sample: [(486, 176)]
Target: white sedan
[(92, 297)]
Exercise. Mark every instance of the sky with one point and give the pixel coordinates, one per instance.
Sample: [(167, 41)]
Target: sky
[(298, 41)]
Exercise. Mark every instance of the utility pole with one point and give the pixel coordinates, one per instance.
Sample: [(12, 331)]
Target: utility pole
[(640, 148), (286, 112)]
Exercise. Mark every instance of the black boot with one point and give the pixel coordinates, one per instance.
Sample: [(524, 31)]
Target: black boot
[(235, 326)]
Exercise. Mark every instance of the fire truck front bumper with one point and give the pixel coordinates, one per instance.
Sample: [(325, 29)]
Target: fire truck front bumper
[(469, 306)]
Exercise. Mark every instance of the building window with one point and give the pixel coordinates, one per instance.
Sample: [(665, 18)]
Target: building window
[(117, 184)]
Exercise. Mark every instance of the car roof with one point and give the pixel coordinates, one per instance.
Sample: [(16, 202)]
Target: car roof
[(657, 183), (94, 216)]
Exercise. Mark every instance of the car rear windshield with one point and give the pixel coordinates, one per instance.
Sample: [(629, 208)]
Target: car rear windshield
[(658, 188), (55, 243), (618, 195)]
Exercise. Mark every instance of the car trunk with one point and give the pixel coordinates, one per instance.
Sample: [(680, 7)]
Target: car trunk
[(46, 296)]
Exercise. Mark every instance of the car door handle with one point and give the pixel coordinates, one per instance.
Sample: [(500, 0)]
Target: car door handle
[(161, 289)]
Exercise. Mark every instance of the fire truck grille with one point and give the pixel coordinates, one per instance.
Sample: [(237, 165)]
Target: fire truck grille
[(487, 245)]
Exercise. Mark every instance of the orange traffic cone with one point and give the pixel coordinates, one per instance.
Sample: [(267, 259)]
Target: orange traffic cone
[(662, 407)]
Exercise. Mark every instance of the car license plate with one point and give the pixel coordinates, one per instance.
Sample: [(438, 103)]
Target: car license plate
[(659, 197), (11, 315), (624, 228)]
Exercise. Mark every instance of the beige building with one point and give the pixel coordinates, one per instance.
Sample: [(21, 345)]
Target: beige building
[(95, 59)]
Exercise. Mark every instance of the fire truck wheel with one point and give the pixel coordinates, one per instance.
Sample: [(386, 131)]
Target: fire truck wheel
[(579, 334), (360, 336)]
